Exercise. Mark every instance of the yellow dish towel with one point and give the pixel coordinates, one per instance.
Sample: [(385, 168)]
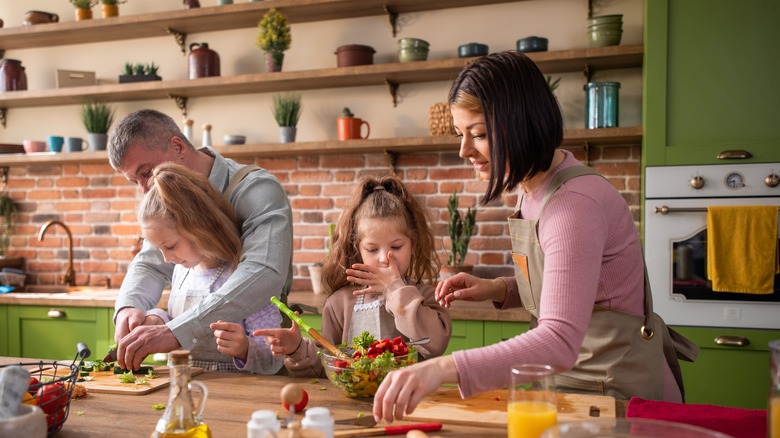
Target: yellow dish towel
[(742, 253)]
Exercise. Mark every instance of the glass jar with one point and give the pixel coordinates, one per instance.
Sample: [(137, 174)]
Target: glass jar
[(182, 418), (601, 104)]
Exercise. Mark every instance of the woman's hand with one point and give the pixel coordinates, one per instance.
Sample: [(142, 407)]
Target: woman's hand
[(467, 287), (231, 339), (375, 279), (282, 341), (402, 390)]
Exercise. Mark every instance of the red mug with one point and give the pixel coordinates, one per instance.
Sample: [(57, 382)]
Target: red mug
[(350, 128)]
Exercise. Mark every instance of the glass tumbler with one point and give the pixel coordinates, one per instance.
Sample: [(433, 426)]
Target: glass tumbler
[(533, 404)]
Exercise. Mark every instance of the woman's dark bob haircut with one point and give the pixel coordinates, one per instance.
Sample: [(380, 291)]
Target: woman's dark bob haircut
[(523, 120)]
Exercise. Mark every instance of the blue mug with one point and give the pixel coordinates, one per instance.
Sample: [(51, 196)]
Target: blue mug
[(75, 144), (55, 143)]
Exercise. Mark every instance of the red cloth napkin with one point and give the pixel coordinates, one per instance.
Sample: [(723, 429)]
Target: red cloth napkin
[(737, 422)]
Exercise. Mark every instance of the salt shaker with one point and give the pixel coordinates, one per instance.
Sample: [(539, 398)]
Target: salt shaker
[(319, 419), (206, 135), (188, 130), (263, 424)]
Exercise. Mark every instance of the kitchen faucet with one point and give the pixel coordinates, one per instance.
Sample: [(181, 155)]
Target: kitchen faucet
[(70, 274)]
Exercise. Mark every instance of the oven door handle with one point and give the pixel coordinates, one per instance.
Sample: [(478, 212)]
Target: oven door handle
[(732, 341)]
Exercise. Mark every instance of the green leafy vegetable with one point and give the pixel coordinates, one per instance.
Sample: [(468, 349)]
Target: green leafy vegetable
[(364, 340), (158, 406), (127, 377)]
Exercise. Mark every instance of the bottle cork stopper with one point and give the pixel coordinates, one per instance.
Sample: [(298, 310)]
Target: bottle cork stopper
[(188, 122), (179, 357), (207, 127)]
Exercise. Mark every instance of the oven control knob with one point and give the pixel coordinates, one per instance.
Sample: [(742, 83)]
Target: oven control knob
[(697, 182), (772, 180)]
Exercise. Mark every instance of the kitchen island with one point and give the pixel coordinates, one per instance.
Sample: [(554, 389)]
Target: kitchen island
[(232, 397)]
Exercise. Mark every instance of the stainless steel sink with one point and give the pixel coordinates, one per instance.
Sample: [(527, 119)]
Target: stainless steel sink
[(53, 288)]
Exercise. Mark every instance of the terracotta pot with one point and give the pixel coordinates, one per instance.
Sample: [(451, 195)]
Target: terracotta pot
[(349, 128), (354, 54), (83, 14), (110, 11), (273, 61), (448, 271)]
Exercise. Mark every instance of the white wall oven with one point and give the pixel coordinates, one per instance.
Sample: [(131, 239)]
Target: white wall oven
[(676, 201)]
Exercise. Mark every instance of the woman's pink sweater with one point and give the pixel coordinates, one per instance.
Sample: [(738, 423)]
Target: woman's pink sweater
[(592, 255)]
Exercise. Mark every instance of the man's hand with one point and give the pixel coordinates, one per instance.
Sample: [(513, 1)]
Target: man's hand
[(127, 319), (143, 341)]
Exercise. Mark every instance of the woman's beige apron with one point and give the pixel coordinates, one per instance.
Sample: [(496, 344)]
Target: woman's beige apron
[(374, 318), (622, 354)]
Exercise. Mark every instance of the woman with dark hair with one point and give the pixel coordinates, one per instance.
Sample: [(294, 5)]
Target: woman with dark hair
[(579, 268)]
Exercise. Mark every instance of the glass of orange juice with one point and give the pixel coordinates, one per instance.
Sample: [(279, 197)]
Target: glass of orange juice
[(533, 405)]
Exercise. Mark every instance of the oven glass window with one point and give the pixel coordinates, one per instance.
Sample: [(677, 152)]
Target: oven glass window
[(689, 271)]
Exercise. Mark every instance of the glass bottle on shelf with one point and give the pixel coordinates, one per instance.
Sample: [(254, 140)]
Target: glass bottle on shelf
[(773, 410), (206, 135), (182, 418)]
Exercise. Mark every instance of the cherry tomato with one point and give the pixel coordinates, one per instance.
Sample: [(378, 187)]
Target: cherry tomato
[(301, 405), (33, 387), (52, 397)]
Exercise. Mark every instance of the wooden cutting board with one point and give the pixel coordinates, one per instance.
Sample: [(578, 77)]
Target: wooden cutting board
[(489, 408), (107, 382)]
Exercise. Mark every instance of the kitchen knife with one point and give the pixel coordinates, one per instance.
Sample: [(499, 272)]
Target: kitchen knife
[(313, 333), (389, 430), (364, 421), (111, 356)]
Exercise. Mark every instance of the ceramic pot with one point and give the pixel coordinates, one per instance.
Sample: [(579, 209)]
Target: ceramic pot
[(39, 17), (110, 11), (472, 49), (315, 273), (349, 128), (354, 54), (97, 142), (287, 134), (83, 14), (601, 104), (204, 62), (412, 49), (273, 61), (12, 75), (532, 44), (191, 4)]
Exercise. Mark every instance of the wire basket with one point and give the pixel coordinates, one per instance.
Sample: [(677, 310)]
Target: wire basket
[(57, 380)]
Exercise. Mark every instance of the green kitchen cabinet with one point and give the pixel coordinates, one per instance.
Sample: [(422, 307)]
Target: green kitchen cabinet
[(711, 81), (48, 332), (497, 331), (728, 375), (466, 334), (3, 331)]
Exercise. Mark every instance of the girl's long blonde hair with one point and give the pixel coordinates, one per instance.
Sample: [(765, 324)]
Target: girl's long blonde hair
[(198, 212), (381, 198)]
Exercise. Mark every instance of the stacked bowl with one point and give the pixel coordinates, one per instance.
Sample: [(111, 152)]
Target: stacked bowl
[(412, 49), (605, 30)]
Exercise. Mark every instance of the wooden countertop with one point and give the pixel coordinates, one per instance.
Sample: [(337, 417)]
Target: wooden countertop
[(232, 397), (106, 297)]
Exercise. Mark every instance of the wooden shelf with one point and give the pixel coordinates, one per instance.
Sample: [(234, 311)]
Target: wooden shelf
[(357, 76), (572, 138), (215, 18)]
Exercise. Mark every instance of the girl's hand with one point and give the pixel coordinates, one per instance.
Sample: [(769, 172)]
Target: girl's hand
[(283, 342), (467, 287), (375, 279), (231, 339)]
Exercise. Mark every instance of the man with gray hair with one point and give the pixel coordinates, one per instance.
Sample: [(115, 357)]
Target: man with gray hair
[(138, 143)]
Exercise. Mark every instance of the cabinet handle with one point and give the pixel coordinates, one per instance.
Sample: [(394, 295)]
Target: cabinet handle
[(734, 154), (54, 313), (732, 341)]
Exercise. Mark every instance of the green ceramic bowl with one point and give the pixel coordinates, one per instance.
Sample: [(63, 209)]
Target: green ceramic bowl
[(604, 38), (413, 43), (411, 55), (616, 18)]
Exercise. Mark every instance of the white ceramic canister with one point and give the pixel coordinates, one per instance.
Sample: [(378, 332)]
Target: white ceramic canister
[(263, 422)]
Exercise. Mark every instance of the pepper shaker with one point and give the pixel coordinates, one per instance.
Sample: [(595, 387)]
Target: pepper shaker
[(188, 130)]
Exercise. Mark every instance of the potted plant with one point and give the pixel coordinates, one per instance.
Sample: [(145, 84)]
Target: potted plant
[(97, 118), (7, 211), (553, 84), (349, 126), (287, 111), (139, 73), (460, 228), (274, 38), (83, 8), (315, 270), (110, 8)]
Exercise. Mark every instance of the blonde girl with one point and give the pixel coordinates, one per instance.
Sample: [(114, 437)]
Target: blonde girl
[(379, 277)]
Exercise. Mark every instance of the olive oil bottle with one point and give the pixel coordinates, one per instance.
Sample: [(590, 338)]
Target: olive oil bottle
[(182, 418)]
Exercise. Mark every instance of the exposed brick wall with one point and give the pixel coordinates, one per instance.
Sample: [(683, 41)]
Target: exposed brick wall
[(99, 207)]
